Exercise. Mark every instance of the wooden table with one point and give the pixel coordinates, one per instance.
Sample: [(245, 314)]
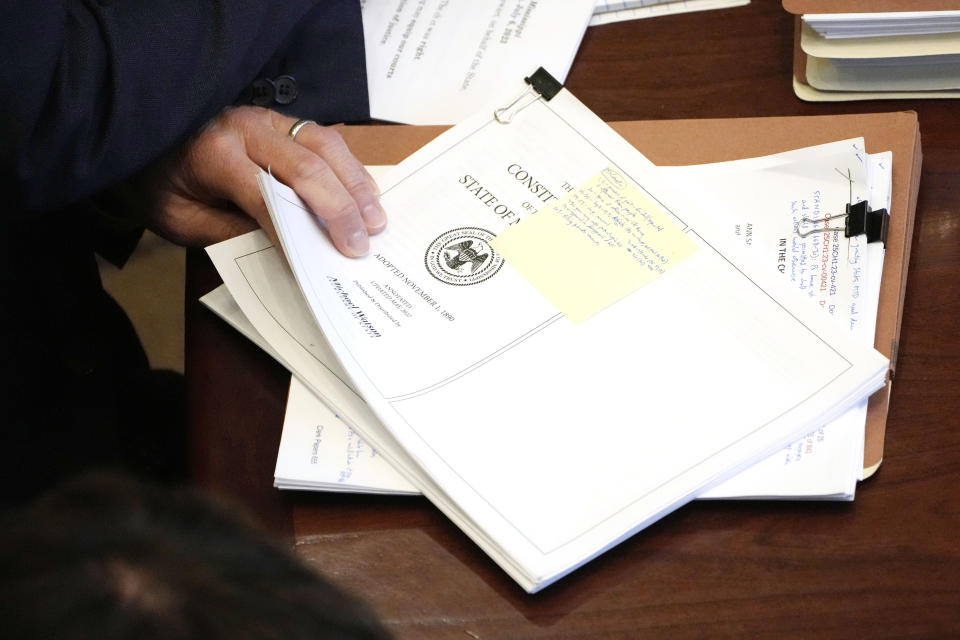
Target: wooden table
[(886, 565)]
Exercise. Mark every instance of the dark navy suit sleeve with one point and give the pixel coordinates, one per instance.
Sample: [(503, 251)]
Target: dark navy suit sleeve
[(324, 55), (92, 91)]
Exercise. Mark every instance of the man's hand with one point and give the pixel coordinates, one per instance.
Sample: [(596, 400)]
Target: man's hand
[(207, 191)]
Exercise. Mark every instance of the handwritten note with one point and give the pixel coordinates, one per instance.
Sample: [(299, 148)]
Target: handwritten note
[(596, 245)]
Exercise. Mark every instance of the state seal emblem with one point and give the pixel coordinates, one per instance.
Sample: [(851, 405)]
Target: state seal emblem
[(463, 256)]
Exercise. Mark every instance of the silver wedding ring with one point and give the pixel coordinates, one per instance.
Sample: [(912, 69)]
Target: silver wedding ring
[(295, 129)]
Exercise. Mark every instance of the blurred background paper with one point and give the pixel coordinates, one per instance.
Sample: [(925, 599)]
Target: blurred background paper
[(430, 62)]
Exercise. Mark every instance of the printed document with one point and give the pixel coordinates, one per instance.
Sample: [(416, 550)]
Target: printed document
[(763, 201), (437, 61), (318, 451), (824, 464), (491, 396)]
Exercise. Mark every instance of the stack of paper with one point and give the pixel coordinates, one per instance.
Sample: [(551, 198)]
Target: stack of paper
[(608, 11), (874, 25), (319, 451), (549, 342), (856, 50)]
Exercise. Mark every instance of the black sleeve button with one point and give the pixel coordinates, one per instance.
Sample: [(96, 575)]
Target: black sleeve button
[(262, 92), (286, 89)]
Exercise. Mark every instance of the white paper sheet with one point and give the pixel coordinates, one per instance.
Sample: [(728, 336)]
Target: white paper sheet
[(752, 196), (437, 62), (318, 451)]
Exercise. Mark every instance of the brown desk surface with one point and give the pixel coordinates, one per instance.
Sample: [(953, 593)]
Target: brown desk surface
[(887, 564)]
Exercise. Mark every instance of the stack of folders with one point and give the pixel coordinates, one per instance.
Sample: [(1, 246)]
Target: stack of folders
[(558, 342), (865, 50)]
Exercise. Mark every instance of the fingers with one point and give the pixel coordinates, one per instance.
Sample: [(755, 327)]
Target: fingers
[(330, 180), (317, 185), (329, 145), (223, 160)]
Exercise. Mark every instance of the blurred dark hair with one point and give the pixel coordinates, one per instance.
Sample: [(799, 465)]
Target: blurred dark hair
[(108, 557)]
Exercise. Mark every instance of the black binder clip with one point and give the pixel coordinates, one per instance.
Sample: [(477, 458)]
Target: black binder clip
[(859, 219), (542, 85)]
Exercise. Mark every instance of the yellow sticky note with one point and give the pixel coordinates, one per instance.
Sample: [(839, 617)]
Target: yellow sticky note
[(596, 245)]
